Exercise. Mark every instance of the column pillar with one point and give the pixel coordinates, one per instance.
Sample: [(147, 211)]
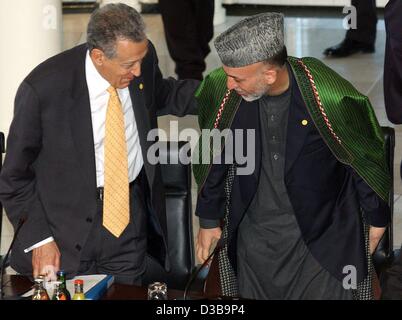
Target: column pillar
[(220, 13), (30, 31)]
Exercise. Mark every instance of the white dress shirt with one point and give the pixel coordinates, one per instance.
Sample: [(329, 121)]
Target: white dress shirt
[(99, 98)]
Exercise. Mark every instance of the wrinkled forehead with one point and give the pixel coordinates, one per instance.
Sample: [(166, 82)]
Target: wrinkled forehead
[(127, 50), (245, 72)]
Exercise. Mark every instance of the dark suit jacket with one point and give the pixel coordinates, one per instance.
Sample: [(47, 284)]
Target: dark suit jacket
[(326, 195), (49, 171), (393, 61)]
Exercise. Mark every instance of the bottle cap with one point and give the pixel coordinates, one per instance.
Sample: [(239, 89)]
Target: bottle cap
[(40, 278), (79, 281)]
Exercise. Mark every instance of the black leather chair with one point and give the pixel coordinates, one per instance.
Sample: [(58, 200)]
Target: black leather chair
[(177, 181), (384, 253)]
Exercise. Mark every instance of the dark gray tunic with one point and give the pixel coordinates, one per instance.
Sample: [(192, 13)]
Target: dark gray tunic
[(273, 261)]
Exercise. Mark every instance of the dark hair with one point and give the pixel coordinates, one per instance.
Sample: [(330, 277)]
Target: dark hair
[(111, 23), (279, 59)]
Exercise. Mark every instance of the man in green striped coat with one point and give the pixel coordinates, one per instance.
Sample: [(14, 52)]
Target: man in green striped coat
[(304, 222)]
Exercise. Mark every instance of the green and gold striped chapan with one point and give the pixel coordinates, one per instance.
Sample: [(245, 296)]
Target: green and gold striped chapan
[(343, 116)]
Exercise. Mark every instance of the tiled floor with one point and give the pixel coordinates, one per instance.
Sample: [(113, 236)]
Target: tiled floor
[(305, 37)]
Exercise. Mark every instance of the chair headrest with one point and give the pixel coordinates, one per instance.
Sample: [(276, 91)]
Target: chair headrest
[(176, 175)]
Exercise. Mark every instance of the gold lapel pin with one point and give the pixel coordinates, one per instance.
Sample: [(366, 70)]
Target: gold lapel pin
[(304, 122), (141, 86)]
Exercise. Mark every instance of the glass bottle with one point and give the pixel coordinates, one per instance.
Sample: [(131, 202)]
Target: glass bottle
[(79, 290), (58, 293), (61, 276), (157, 291), (40, 292)]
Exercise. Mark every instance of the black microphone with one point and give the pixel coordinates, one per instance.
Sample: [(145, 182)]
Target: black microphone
[(4, 262), (193, 276)]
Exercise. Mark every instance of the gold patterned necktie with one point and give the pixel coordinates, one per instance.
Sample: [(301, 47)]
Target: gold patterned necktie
[(116, 204)]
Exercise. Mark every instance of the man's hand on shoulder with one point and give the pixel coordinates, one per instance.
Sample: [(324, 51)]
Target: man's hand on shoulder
[(205, 240), (46, 260)]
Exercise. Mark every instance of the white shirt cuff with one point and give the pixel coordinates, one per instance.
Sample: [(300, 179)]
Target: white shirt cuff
[(37, 245)]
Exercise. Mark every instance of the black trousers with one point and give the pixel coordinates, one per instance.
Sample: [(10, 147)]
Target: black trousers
[(188, 28), (366, 15), (123, 257)]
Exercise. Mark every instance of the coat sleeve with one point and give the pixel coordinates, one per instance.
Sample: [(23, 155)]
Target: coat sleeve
[(172, 96), (212, 197), (376, 211), (17, 180)]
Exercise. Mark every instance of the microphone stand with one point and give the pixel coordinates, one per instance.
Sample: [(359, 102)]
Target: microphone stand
[(5, 259)]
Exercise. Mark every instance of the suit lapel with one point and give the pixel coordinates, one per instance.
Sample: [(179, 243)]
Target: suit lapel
[(246, 118), (142, 119), (140, 111), (255, 120), (299, 123), (81, 125)]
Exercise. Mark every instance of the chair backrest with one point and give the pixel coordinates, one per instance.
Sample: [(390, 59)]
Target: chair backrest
[(384, 252), (177, 182)]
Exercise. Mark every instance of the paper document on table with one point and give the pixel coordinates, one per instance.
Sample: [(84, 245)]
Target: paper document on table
[(94, 285)]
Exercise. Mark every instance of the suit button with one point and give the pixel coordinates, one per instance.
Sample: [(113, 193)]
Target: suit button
[(89, 220), (78, 247)]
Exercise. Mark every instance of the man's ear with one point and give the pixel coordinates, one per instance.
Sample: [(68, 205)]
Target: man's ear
[(270, 75), (98, 57)]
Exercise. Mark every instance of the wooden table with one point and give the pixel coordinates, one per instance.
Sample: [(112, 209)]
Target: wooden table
[(16, 285), (131, 292)]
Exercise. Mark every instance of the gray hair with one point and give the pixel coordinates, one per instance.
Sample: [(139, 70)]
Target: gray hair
[(111, 23)]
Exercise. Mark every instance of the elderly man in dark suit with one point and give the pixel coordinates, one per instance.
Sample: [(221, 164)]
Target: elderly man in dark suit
[(76, 166), (189, 26)]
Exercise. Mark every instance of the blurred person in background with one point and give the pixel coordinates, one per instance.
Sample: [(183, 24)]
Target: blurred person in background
[(361, 39), (392, 278), (188, 28)]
